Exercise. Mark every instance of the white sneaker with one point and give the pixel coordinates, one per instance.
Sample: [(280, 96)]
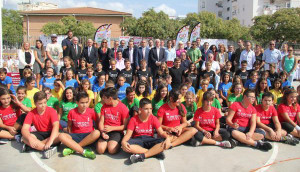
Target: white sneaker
[(225, 144), (49, 152)]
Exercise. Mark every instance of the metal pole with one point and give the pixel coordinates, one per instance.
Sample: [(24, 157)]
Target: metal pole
[(1, 41)]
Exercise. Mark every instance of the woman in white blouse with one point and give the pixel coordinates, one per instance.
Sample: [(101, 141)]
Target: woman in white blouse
[(26, 58)]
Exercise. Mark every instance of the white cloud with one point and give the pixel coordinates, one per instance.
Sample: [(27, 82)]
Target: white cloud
[(166, 9)]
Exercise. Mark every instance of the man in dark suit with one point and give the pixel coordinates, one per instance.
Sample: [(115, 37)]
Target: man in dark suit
[(157, 55), (90, 53), (66, 43), (205, 51), (115, 49), (131, 53), (143, 53), (75, 51)]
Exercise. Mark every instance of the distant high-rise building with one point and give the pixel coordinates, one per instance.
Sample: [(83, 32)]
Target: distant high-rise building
[(29, 6), (244, 10)]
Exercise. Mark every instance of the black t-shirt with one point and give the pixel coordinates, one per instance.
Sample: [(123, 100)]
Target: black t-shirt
[(63, 71), (113, 74), (129, 74), (96, 73), (211, 75), (243, 75), (81, 72), (163, 75), (176, 76), (194, 77), (272, 77), (146, 74)]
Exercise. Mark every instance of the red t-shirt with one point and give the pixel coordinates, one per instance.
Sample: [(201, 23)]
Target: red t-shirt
[(207, 120), (114, 116), (43, 122), (140, 128), (282, 108), (82, 123), (265, 116), (242, 115), (9, 116), (171, 117)]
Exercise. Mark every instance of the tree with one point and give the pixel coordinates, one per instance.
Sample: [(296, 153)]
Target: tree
[(283, 25), (12, 27), (80, 28), (151, 24)]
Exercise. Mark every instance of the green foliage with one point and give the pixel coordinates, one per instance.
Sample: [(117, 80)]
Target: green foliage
[(79, 28), (12, 27), (283, 25)]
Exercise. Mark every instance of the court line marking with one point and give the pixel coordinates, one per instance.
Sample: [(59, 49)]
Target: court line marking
[(271, 160), (40, 163), (162, 165)]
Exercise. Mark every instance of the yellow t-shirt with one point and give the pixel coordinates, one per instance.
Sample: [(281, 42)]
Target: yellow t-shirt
[(92, 97), (276, 94), (141, 96), (30, 94), (58, 94), (98, 99), (200, 96), (182, 99)]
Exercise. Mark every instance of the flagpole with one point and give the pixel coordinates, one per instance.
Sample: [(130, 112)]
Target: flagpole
[(1, 41)]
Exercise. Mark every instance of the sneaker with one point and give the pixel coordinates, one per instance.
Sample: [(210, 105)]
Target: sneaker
[(195, 142), (160, 156), (225, 144), (89, 154), (292, 137), (68, 151), (3, 141), (289, 140), (136, 158), (233, 142), (25, 148), (18, 138), (49, 152), (264, 145)]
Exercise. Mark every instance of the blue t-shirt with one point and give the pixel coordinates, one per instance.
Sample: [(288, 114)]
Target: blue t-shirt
[(249, 84), (97, 88), (23, 81), (192, 89), (209, 86), (49, 82), (72, 83), (122, 91), (286, 83), (169, 87), (8, 80), (92, 80), (225, 87), (269, 83)]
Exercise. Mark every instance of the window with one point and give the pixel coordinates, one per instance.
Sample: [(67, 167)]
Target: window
[(203, 4), (228, 8), (220, 14), (227, 18)]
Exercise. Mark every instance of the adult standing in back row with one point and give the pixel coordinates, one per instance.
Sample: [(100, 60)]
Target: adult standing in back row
[(157, 55), (104, 54), (271, 56), (90, 53)]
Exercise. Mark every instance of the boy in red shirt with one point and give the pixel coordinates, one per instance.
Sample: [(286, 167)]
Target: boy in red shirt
[(113, 121), (242, 122), (45, 120), (139, 139), (80, 128), (267, 119)]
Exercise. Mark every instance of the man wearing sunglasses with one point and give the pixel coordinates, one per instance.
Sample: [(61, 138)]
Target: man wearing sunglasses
[(271, 56)]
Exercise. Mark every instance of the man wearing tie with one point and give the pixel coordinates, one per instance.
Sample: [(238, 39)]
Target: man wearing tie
[(157, 55), (131, 53), (115, 50), (90, 53), (75, 51), (143, 53)]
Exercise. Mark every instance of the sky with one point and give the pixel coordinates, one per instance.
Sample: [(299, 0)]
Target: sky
[(136, 7)]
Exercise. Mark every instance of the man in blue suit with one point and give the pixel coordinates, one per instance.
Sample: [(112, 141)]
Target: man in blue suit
[(143, 53), (131, 53), (157, 55)]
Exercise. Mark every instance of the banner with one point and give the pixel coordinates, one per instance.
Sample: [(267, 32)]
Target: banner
[(47, 39), (195, 33), (137, 40), (15, 78), (215, 42), (103, 32), (183, 35)]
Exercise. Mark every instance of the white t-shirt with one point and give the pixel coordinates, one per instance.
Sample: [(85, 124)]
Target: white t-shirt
[(249, 56), (54, 50)]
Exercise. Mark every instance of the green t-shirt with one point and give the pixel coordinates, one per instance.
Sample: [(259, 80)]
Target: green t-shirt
[(66, 107), (259, 98), (232, 98), (216, 104), (53, 102), (194, 55), (98, 107), (156, 106), (26, 102), (279, 100), (190, 110), (136, 103)]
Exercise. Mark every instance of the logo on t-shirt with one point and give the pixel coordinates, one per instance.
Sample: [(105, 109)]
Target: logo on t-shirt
[(144, 131), (171, 117), (7, 117)]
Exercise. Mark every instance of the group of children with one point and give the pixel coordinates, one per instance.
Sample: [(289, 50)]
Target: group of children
[(81, 107)]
